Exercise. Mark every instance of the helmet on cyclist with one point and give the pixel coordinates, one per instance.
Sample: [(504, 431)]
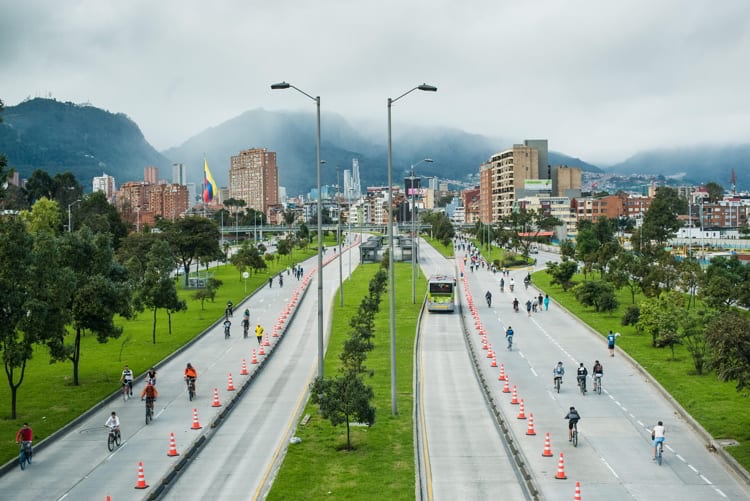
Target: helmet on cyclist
[(572, 408), (559, 363), (660, 423)]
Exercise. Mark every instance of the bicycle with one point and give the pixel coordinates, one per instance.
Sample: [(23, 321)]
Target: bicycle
[(574, 434), (510, 342), (149, 409), (489, 301), (558, 382), (24, 456), (659, 451), (226, 332), (582, 384), (598, 384), (191, 388), (245, 328), (114, 439), (126, 390)]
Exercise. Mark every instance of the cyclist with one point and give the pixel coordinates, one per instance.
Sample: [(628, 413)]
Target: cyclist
[(259, 333), (598, 371), (227, 326), (127, 379), (558, 372), (151, 376), (230, 309), (191, 374), (502, 285), (281, 280), (149, 393), (24, 437), (657, 435), (581, 375), (113, 423), (512, 283), (528, 307), (246, 314), (509, 336), (573, 417), (515, 304), (488, 297)]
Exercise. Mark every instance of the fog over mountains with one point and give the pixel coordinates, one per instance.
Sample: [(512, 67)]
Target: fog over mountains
[(57, 136)]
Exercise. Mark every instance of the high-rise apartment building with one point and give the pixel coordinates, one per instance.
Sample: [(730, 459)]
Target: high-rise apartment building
[(179, 174), (254, 178), (151, 174), (106, 184), (503, 175)]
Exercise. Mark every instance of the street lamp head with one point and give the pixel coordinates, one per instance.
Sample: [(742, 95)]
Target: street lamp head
[(427, 87), (278, 86), (428, 160)]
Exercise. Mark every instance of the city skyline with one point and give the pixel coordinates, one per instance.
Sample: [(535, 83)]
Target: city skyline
[(605, 80)]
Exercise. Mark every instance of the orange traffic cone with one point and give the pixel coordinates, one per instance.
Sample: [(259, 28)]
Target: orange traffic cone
[(494, 360), (577, 496), (107, 498), (503, 377), (490, 353), (243, 369), (266, 342), (172, 446), (254, 358), (230, 383), (514, 396), (547, 452), (261, 351), (140, 482), (561, 468), (276, 331), (506, 389), (521, 414), (216, 402), (196, 424), (530, 430)]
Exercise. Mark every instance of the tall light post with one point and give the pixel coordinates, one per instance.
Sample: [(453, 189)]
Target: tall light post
[(70, 219), (281, 86), (414, 234), (391, 274), (338, 237)]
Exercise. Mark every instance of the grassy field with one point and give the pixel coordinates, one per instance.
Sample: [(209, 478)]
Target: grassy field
[(48, 400), (381, 466), (714, 404)]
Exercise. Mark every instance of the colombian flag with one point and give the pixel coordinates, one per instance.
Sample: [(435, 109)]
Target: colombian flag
[(209, 185)]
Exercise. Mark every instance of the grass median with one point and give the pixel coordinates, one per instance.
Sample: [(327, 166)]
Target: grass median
[(381, 466)]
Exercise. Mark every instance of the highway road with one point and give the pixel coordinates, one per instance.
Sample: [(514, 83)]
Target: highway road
[(78, 466), (467, 458), (614, 457)]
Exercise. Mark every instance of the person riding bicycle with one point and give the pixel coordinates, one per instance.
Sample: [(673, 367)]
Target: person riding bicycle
[(149, 393), (509, 335), (190, 374), (573, 417), (113, 423), (25, 436), (488, 297), (246, 315), (527, 281), (227, 326), (581, 374), (127, 379), (657, 435), (502, 285), (512, 283), (598, 371), (151, 376), (230, 308), (558, 372), (515, 305)]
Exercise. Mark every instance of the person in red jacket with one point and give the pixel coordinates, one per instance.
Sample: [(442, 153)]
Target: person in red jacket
[(24, 437)]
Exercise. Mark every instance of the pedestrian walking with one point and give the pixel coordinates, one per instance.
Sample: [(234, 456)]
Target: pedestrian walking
[(546, 302), (611, 342), (259, 333), (540, 300)]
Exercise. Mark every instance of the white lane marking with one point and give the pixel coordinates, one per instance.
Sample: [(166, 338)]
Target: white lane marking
[(534, 372), (719, 491), (521, 354), (693, 468), (680, 458), (669, 448), (610, 468), (624, 409), (618, 403), (632, 415), (611, 397), (640, 423), (705, 480)]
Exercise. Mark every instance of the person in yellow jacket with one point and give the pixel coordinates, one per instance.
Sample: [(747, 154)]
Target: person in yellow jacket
[(259, 333)]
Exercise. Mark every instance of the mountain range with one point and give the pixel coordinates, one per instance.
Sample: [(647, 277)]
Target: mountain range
[(58, 136)]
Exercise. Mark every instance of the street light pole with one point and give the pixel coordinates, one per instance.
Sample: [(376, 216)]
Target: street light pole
[(70, 219), (281, 86), (338, 237), (414, 235), (391, 274)]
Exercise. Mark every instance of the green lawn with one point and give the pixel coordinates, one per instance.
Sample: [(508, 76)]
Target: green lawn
[(47, 399), (714, 404), (382, 464)]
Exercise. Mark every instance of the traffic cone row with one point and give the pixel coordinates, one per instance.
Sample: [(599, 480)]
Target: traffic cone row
[(514, 396), (243, 369), (521, 414), (494, 360), (266, 342), (489, 350), (261, 351), (230, 383), (254, 359), (140, 482), (506, 389), (172, 446), (547, 452), (216, 402), (196, 424), (503, 377), (530, 430)]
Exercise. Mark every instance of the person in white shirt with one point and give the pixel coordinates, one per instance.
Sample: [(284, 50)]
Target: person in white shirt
[(113, 423), (657, 435)]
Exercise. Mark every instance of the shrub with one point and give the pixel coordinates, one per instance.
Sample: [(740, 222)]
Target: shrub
[(631, 316)]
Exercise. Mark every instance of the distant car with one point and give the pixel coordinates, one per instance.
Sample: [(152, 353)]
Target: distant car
[(535, 250)]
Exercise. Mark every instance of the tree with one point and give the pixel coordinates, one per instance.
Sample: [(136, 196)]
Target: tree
[(693, 336), (587, 246), (728, 339), (157, 288), (715, 192), (95, 212), (567, 249), (33, 297), (600, 295), (344, 398), (690, 274), (660, 222), (724, 283), (660, 318), (562, 273), (43, 216), (98, 290), (626, 270), (193, 238), (442, 228)]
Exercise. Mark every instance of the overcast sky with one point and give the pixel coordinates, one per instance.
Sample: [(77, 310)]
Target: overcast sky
[(600, 79)]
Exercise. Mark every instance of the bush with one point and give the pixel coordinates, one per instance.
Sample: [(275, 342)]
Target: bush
[(631, 316)]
